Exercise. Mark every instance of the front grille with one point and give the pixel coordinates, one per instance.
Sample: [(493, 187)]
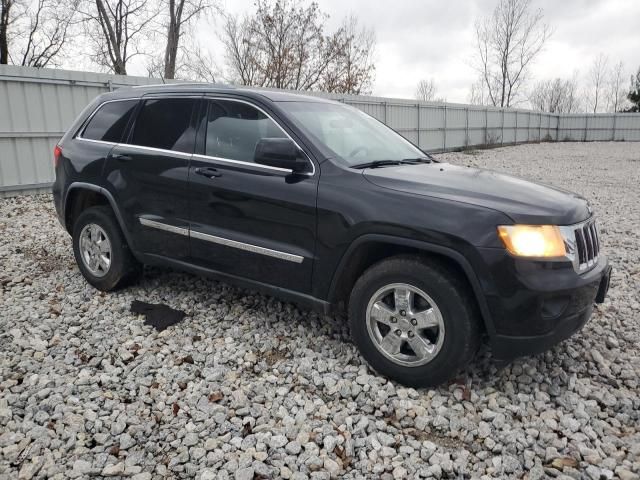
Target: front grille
[(587, 244)]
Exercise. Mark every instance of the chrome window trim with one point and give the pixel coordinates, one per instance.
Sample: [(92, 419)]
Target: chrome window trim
[(158, 150), (164, 226), (96, 141), (228, 99), (269, 252), (231, 162)]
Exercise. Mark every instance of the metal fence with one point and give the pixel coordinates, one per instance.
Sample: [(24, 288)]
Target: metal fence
[(38, 105)]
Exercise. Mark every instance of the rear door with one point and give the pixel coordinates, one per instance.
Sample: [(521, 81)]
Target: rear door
[(249, 220), (148, 175)]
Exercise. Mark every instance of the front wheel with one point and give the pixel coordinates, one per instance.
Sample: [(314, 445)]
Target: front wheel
[(413, 321)]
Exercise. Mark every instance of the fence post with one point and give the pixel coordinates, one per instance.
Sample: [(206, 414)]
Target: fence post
[(515, 135), (557, 127), (444, 130), (418, 124), (539, 127), (384, 106), (502, 134), (615, 117), (110, 85), (529, 128), (486, 126), (466, 127), (586, 125)]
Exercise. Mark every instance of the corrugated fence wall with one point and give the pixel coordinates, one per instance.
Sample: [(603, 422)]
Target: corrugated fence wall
[(37, 105)]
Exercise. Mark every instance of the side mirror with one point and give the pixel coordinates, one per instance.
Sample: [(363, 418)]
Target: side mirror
[(281, 153)]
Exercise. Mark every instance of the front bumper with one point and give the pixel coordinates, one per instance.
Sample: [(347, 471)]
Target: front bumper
[(535, 305)]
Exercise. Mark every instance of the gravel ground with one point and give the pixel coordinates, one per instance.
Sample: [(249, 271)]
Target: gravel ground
[(249, 387)]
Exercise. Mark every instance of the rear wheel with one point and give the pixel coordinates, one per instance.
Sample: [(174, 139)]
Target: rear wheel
[(413, 321), (101, 251)]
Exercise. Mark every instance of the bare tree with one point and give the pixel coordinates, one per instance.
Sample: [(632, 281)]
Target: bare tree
[(115, 28), (47, 30), (284, 45), (555, 96), (6, 19), (34, 33), (508, 42), (241, 51), (617, 93), (597, 77), (426, 90), (179, 14), (200, 65), (352, 69), (478, 93), (634, 93)]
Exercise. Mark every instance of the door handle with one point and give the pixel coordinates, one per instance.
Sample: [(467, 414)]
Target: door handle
[(208, 172), (121, 157)]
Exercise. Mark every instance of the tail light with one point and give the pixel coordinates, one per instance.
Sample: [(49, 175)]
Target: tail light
[(57, 153)]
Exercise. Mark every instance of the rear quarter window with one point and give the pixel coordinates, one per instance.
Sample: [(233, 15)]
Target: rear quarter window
[(109, 122)]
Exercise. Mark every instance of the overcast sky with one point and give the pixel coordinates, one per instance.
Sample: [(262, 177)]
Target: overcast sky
[(435, 38)]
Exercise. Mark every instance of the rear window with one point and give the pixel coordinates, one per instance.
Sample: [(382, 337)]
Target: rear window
[(109, 121), (165, 123)]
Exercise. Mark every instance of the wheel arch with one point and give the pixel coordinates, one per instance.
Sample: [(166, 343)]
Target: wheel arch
[(371, 248), (82, 195)]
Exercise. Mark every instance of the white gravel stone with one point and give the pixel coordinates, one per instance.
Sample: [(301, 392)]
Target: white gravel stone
[(247, 385), (244, 473)]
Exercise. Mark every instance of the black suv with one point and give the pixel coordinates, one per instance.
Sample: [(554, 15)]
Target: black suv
[(321, 204)]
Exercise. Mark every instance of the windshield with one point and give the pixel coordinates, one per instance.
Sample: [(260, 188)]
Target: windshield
[(350, 134)]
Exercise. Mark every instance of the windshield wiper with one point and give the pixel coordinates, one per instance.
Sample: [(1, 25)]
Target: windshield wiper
[(378, 163), (384, 163), (417, 160)]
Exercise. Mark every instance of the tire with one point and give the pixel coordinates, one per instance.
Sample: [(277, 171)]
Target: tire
[(99, 223), (441, 301)]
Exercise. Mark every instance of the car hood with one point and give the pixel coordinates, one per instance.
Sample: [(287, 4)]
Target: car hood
[(523, 201)]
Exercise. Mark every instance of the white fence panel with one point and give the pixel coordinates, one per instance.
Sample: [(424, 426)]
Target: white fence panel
[(38, 105)]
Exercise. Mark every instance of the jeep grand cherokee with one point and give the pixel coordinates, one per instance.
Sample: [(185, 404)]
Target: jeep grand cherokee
[(319, 203)]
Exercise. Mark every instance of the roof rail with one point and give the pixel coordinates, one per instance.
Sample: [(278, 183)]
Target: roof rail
[(181, 84)]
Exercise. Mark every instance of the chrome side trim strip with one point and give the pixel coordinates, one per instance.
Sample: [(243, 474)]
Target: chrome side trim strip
[(164, 226), (243, 163), (290, 257)]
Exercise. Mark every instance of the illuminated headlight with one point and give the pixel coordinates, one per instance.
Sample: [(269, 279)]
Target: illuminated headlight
[(533, 240)]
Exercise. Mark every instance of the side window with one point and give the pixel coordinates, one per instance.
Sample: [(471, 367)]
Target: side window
[(165, 123), (234, 128), (109, 121)]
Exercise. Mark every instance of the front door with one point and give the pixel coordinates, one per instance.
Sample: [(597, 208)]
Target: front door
[(249, 220), (148, 173)]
